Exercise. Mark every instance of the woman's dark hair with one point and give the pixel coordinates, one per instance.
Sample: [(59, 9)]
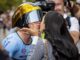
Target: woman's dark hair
[(57, 34), (55, 25)]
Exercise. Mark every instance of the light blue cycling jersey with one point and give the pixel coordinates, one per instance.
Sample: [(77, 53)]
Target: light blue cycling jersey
[(16, 48)]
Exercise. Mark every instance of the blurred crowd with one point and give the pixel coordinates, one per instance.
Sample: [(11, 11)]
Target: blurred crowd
[(5, 22)]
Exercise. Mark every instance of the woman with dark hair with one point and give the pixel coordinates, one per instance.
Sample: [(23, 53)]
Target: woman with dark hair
[(58, 44), (57, 34)]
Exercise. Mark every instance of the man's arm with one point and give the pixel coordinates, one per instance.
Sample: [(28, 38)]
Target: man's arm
[(74, 29)]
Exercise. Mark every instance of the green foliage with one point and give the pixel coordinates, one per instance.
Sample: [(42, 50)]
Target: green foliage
[(8, 4), (30, 0), (73, 0)]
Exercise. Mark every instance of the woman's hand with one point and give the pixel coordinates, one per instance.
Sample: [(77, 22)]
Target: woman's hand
[(32, 32)]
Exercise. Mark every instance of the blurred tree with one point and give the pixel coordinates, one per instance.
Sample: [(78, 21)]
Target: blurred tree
[(8, 4), (30, 0), (2, 4)]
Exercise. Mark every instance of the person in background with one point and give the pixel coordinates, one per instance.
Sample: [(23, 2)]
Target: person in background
[(73, 27), (76, 8)]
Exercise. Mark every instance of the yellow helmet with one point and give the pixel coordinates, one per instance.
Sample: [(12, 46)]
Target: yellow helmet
[(26, 13)]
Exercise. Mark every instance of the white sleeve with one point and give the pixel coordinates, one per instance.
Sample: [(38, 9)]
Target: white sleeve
[(74, 24), (35, 39)]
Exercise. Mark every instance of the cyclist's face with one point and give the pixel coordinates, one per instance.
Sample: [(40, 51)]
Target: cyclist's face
[(34, 25)]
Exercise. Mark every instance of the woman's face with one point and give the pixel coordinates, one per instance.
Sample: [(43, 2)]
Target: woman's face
[(42, 25)]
